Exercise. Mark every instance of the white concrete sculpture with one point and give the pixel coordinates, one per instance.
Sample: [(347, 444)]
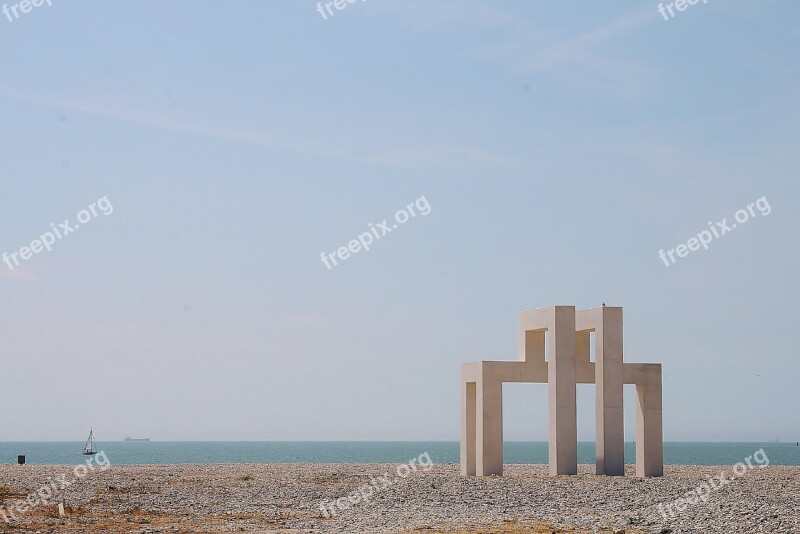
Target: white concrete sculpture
[(568, 363)]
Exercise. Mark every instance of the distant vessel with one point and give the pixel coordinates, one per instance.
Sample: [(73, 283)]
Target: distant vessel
[(88, 449), (136, 439)]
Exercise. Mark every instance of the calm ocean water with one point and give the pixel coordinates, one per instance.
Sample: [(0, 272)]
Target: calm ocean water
[(441, 452)]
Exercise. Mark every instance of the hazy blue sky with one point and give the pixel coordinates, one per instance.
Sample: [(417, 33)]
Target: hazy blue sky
[(560, 146)]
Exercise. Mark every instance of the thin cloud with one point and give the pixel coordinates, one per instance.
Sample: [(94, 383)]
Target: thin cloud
[(448, 157), (156, 121), (535, 53), (584, 46)]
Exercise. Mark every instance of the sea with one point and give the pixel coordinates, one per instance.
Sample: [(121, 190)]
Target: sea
[(365, 452)]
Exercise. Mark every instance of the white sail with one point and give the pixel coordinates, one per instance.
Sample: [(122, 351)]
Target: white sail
[(89, 447)]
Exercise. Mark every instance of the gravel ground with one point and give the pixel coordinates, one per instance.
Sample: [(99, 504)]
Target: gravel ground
[(289, 498)]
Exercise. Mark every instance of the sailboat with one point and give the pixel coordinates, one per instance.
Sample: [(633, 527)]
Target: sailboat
[(89, 447)]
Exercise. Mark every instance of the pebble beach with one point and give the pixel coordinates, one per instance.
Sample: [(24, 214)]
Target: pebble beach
[(297, 498)]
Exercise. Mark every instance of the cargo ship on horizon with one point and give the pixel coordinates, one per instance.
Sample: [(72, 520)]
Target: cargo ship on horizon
[(127, 438)]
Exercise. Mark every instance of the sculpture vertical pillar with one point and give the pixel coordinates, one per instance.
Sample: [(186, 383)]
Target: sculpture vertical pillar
[(489, 424), (468, 421), (563, 422), (649, 432), (610, 425), (582, 347), (531, 345)]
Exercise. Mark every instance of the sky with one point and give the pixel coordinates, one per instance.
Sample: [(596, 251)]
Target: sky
[(215, 157)]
